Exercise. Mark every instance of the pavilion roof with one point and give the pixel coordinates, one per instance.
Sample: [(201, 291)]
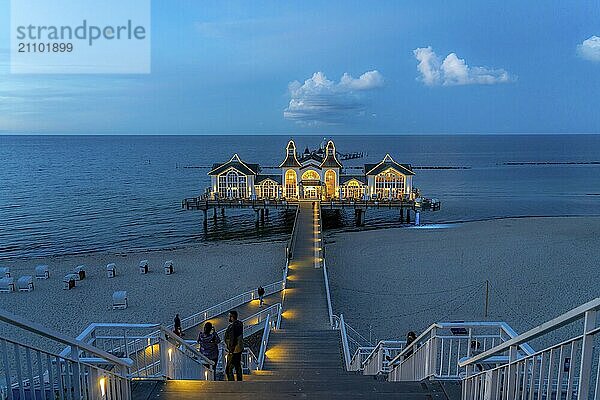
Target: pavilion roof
[(237, 163), (386, 163)]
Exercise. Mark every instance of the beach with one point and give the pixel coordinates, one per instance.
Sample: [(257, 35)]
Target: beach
[(204, 275), (391, 281)]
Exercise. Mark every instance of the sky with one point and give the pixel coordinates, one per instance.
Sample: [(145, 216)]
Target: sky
[(332, 67)]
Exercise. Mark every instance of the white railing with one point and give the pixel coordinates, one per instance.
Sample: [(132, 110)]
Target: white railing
[(436, 353), (345, 344), (155, 352), (252, 324), (352, 341), (328, 294), (263, 343), (569, 369), (359, 357), (225, 306), (255, 322), (31, 372), (377, 360)]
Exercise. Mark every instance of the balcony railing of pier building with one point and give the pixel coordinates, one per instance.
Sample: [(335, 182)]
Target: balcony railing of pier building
[(30, 372), (437, 352), (568, 369), (210, 201)]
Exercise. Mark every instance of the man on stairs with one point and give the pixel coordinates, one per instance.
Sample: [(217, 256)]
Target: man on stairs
[(234, 340)]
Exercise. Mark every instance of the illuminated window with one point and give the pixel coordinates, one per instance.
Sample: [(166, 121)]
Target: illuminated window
[(311, 175), (290, 183), (353, 190), (389, 184), (268, 189), (232, 185), (330, 183)]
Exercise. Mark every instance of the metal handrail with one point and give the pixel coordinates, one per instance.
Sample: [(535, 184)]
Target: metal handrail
[(345, 347), (328, 294), (566, 367), (520, 340), (263, 343), (266, 312), (19, 322), (228, 304), (446, 325), (202, 359), (383, 344)]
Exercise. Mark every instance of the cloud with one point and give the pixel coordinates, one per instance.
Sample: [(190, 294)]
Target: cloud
[(453, 71), (590, 49), (321, 101)]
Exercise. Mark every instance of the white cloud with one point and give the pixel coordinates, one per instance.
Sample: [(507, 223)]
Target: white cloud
[(320, 100), (454, 71), (590, 49)]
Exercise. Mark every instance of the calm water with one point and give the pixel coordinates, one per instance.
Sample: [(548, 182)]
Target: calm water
[(67, 195)]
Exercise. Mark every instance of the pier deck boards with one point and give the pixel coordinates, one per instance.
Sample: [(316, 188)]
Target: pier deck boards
[(304, 357)]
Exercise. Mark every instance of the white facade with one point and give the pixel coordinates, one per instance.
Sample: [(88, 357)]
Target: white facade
[(314, 175)]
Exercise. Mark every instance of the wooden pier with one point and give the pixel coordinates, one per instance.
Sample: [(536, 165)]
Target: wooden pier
[(407, 209)]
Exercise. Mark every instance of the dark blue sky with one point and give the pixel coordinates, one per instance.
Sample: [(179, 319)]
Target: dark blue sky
[(262, 67)]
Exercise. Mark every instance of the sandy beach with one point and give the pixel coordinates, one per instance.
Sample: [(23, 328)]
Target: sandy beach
[(404, 279), (204, 275)]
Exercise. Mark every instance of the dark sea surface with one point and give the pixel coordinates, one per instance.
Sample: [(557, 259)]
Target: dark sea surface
[(76, 194)]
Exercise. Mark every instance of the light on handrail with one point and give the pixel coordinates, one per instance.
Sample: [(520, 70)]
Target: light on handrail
[(102, 382)]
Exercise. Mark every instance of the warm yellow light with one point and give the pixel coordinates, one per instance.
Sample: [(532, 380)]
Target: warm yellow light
[(289, 314), (103, 386), (170, 351), (276, 353)]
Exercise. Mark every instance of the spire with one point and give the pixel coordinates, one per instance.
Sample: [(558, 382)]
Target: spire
[(290, 158), (330, 159)]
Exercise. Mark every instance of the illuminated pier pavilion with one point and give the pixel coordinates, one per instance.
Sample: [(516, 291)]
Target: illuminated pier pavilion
[(314, 175)]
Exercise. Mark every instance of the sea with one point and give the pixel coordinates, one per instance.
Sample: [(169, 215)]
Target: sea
[(65, 195)]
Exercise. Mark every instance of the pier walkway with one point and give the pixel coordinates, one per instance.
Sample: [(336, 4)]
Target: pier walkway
[(304, 357)]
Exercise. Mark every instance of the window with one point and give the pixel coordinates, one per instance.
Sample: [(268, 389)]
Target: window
[(389, 184), (353, 190), (330, 183), (268, 189), (311, 175), (233, 185), (290, 184)]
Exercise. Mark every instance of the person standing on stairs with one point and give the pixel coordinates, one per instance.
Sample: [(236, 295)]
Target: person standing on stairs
[(234, 340), (209, 344)]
